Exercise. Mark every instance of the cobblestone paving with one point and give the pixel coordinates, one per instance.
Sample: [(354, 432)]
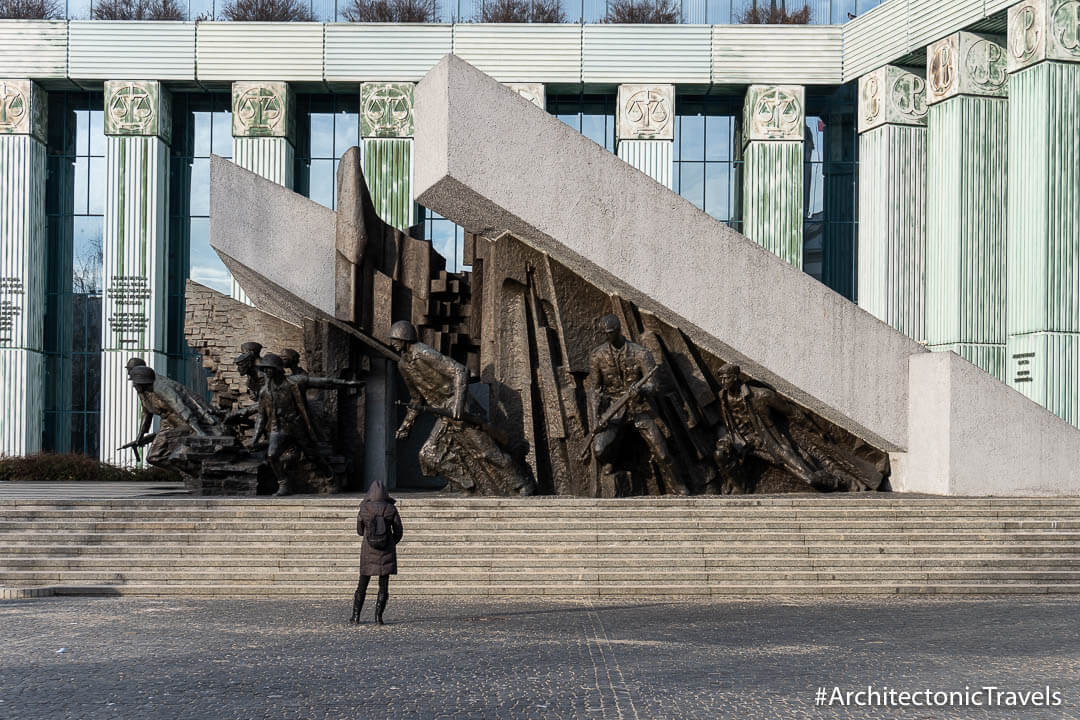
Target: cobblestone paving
[(204, 659)]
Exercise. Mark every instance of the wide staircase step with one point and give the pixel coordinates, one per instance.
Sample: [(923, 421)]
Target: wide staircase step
[(559, 547)]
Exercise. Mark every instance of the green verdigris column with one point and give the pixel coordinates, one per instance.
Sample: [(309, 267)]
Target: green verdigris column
[(892, 198), (966, 199), (774, 127), (1044, 204), (645, 129), (264, 132), (23, 119), (386, 124), (138, 129)]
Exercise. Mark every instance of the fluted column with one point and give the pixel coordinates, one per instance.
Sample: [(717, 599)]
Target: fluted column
[(645, 129), (23, 120), (966, 198), (386, 125), (138, 129), (892, 198), (264, 132), (1043, 344), (774, 128)]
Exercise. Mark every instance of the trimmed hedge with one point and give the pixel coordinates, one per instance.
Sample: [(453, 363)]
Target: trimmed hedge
[(75, 468)]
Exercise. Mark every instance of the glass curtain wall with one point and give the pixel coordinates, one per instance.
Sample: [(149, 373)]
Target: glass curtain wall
[(75, 208), (591, 114), (327, 126), (706, 158), (202, 125), (830, 229)]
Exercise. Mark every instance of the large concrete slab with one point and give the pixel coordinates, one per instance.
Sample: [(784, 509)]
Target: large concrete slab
[(972, 435), (279, 245), (491, 161)]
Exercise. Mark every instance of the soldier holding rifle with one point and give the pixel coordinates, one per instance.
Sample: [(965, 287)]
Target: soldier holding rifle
[(618, 390)]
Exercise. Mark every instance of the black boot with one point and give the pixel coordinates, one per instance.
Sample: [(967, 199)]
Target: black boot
[(380, 605), (358, 601)]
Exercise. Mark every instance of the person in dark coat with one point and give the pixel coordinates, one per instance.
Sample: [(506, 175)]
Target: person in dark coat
[(374, 561)]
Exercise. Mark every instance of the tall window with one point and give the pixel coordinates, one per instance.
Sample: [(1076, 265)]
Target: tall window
[(75, 207), (705, 165), (447, 238), (202, 125), (593, 115), (327, 126), (831, 188)]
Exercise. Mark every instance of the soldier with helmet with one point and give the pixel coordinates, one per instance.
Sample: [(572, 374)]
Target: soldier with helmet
[(284, 419), (615, 369), (180, 410), (247, 365), (460, 447), (291, 359)]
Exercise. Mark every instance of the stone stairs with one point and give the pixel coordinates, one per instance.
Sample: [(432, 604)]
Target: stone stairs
[(638, 547)]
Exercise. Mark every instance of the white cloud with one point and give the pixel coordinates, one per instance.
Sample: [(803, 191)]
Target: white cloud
[(216, 278)]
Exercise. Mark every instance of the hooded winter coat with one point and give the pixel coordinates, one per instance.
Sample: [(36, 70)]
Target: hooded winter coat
[(377, 502)]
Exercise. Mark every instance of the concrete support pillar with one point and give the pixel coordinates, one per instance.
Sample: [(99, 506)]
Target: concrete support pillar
[(1043, 343), (264, 136), (386, 125), (966, 199), (774, 128), (892, 198), (23, 120), (138, 129), (645, 129)]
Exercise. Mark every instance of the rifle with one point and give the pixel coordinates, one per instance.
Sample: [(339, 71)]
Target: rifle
[(138, 443), (614, 409), (498, 435)]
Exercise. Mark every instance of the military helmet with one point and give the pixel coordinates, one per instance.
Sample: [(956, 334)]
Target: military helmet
[(290, 357), (251, 347), (134, 363), (729, 370), (609, 323), (403, 330), (142, 375), (270, 360)]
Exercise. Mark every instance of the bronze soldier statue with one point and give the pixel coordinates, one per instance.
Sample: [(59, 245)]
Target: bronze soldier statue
[(182, 413), (621, 380), (247, 365), (283, 416), (291, 359), (460, 447), (757, 422)]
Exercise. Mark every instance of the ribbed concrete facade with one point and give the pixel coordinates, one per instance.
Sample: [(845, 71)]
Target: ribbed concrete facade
[(22, 292), (1044, 236), (271, 158), (773, 197), (892, 226), (652, 157), (966, 229), (388, 168), (133, 278)]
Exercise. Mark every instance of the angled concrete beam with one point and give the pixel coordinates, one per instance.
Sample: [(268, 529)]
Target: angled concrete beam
[(491, 161), (279, 245)]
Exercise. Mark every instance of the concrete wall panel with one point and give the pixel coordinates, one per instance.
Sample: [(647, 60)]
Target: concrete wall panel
[(786, 327)]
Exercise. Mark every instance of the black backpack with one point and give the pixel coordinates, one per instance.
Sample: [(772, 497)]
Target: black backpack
[(378, 535)]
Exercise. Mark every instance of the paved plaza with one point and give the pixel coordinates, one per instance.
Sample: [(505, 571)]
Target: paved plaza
[(448, 658)]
